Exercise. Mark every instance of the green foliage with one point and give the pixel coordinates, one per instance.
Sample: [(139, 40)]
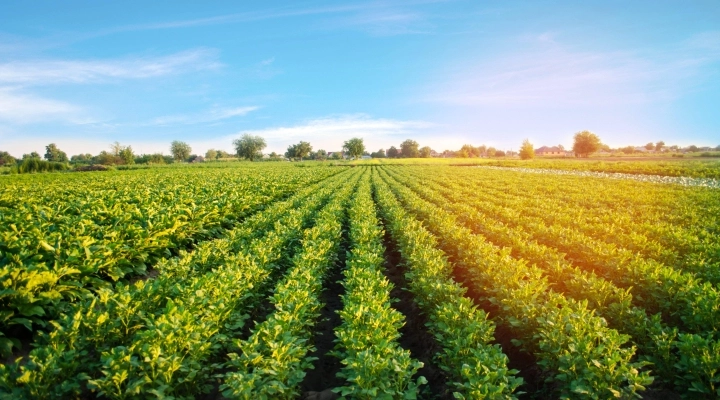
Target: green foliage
[(393, 152), (477, 369), (211, 154), (354, 147), (180, 150), (33, 165), (375, 366), (409, 149), (249, 147), (539, 317), (53, 154), (6, 158), (299, 150)]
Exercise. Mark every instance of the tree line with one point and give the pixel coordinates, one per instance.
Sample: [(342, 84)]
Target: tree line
[(250, 147)]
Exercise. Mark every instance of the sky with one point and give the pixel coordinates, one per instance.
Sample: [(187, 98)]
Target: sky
[(84, 74)]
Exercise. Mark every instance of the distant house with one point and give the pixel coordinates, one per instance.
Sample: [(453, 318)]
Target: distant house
[(549, 151)]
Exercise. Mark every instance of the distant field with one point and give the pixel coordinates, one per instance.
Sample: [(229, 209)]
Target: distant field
[(694, 168), (369, 278)]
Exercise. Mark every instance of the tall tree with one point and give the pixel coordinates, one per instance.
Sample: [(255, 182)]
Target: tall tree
[(378, 154), (211, 154), (586, 143), (409, 149), (424, 152), (659, 145), (491, 151), (52, 153), (393, 152), (321, 155), (6, 158), (126, 155), (299, 150), (249, 147), (466, 151), (526, 150), (354, 147), (180, 150)]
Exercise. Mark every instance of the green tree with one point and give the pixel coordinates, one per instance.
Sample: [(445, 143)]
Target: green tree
[(425, 152), (321, 155), (52, 153), (659, 145), (156, 158), (180, 150), (126, 155), (393, 152), (211, 154), (409, 149), (249, 147), (586, 143), (526, 150), (6, 158), (354, 147), (224, 154), (490, 151), (299, 150), (378, 154), (650, 146), (81, 158)]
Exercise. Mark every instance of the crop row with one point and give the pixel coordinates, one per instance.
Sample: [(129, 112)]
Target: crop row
[(271, 363), (581, 355), (375, 366), (695, 169), (692, 249), (158, 334), (475, 367), (84, 234), (684, 300), (658, 343)]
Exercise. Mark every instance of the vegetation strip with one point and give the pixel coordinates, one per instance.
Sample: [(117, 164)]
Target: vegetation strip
[(375, 366), (692, 250), (75, 236), (476, 369), (583, 355), (271, 363), (657, 342), (113, 318)]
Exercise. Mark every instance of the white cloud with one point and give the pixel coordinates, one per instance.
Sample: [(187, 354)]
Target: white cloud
[(329, 133), (20, 108), (75, 71), (209, 116), (550, 74)]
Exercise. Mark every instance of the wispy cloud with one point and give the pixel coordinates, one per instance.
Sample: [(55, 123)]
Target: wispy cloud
[(37, 72), (550, 74), (214, 115), (381, 18), (330, 132), (21, 109)]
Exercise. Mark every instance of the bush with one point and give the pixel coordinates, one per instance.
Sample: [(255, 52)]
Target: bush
[(31, 165)]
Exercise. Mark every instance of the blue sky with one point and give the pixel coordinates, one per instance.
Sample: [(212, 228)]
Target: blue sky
[(84, 74)]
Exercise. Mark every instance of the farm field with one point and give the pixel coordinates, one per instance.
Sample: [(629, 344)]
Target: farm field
[(299, 280)]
